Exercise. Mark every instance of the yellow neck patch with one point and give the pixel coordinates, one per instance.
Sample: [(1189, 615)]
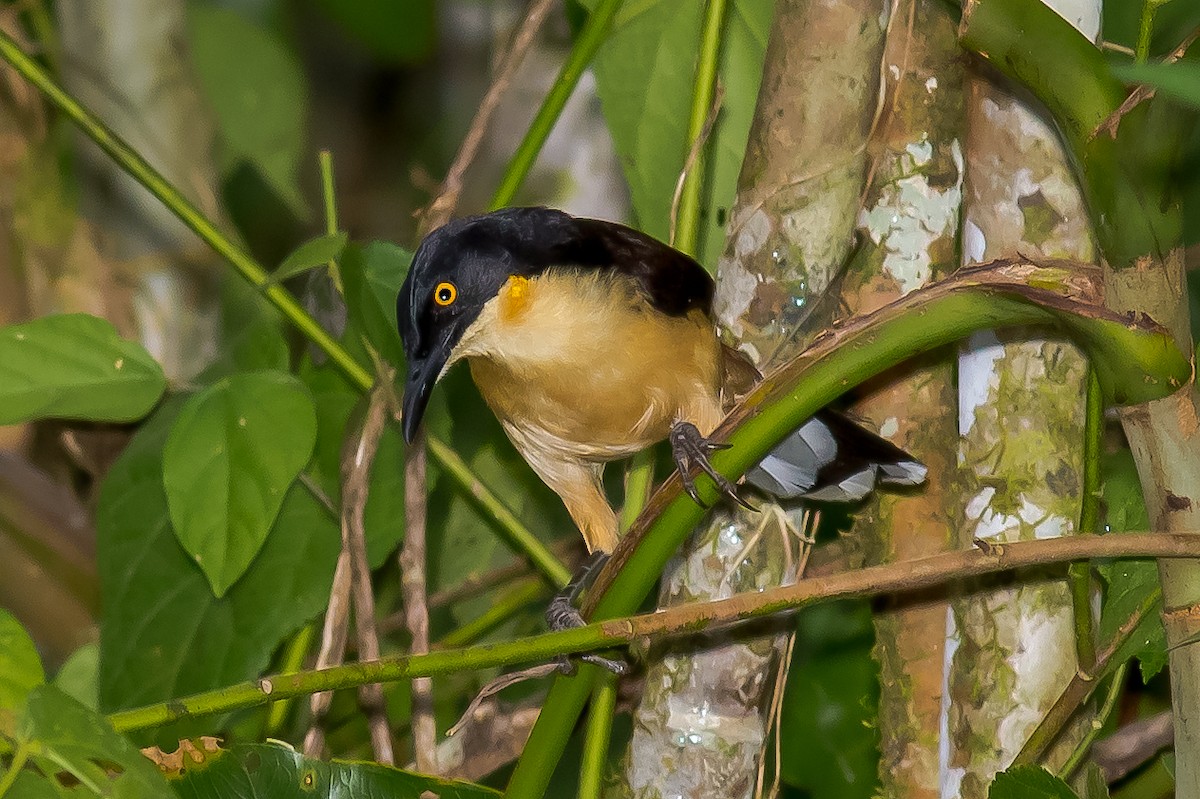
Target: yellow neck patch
[(514, 297)]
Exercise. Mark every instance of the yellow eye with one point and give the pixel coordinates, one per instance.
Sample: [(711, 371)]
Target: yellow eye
[(445, 293)]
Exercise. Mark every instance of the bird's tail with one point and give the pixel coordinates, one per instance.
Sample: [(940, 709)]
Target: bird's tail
[(832, 459)]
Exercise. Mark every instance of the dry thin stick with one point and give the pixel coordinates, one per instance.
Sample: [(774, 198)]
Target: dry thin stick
[(694, 153), (1141, 93), (333, 650), (440, 210), (356, 481), (499, 684), (416, 610)]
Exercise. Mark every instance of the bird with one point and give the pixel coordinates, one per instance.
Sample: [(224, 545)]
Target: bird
[(591, 341)]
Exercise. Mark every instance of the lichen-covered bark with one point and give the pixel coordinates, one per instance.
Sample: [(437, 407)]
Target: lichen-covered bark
[(128, 64), (910, 219), (1021, 417), (703, 720), (789, 231)]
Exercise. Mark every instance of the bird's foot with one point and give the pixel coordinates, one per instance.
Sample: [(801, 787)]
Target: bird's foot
[(690, 448), (561, 614)]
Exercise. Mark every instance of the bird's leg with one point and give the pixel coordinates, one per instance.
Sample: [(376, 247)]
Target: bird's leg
[(690, 448), (562, 614)]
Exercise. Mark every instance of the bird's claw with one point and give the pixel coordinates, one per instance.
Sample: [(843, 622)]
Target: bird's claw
[(689, 447), (561, 614)]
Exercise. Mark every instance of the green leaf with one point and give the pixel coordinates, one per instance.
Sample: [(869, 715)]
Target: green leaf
[(257, 93), (829, 745), (233, 452), (278, 771), (75, 366), (66, 736), (645, 75), (1129, 582), (371, 278), (396, 32), (163, 634), (79, 677), (1179, 81), (20, 669), (252, 338), (1029, 782), (311, 254)]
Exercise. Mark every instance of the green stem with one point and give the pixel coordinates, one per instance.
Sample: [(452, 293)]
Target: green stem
[(687, 230), (329, 195), (1110, 701), (293, 661), (639, 482), (1080, 574), (137, 167), (252, 271), (518, 535), (596, 737), (499, 612), (865, 346), (914, 575), (14, 770), (594, 31)]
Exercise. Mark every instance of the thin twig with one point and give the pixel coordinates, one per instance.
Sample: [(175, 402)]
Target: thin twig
[(693, 155), (499, 684), (356, 483), (332, 652), (892, 578), (416, 608), (1141, 93), (444, 206)]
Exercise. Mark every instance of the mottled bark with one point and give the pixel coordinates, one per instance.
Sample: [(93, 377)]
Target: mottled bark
[(910, 221), (1021, 416), (127, 62), (704, 719)]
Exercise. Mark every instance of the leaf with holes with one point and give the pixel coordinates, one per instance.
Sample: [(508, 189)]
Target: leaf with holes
[(75, 366), (233, 452)]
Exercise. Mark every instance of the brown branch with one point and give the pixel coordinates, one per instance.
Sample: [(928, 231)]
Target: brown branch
[(900, 577), (441, 209), (416, 610), (356, 483), (332, 651), (1141, 93)]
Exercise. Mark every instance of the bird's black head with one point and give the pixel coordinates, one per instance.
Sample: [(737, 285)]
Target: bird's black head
[(455, 271)]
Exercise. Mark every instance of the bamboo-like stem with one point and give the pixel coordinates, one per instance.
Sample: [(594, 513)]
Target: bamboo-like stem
[(687, 232), (596, 737), (360, 377), (1110, 701), (499, 612), (897, 577), (1080, 574), (594, 31), (294, 655)]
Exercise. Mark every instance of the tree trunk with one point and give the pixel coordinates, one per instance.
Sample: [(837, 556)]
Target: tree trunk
[(1021, 416), (910, 219)]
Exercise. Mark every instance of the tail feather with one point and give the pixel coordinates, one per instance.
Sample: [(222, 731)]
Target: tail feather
[(831, 459)]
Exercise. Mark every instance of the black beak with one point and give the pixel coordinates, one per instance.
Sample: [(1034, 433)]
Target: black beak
[(421, 377)]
